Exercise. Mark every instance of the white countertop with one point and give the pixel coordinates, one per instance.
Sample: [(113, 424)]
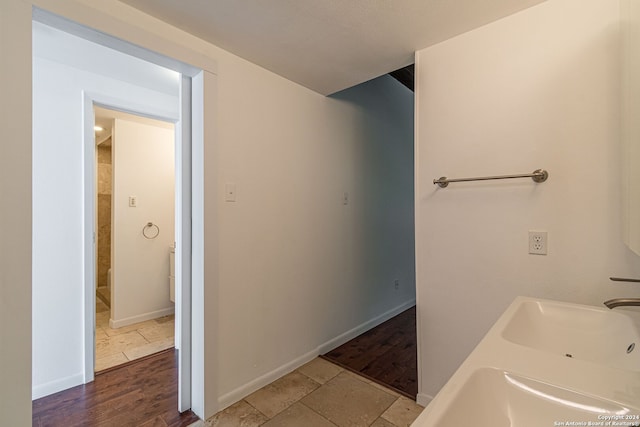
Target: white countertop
[(606, 377)]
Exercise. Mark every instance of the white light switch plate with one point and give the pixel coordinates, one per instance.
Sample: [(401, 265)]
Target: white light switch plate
[(230, 192)]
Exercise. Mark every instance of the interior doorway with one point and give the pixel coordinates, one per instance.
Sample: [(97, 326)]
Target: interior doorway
[(135, 237), (75, 68)]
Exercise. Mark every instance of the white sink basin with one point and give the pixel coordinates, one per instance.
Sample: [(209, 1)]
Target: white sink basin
[(546, 363), (581, 332), (492, 397)]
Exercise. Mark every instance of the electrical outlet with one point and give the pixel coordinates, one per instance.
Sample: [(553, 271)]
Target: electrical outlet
[(538, 242), (396, 284)]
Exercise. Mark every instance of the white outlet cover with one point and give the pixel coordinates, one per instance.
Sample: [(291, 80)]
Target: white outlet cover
[(538, 242)]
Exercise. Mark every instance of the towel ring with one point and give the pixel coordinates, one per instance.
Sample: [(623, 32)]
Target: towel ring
[(150, 235)]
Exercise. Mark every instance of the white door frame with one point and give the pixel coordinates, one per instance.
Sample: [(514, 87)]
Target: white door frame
[(189, 130), (90, 100)]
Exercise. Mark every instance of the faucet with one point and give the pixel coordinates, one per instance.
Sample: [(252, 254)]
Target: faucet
[(622, 302)]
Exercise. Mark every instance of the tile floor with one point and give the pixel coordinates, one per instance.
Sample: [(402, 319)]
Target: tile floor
[(117, 346), (319, 394)]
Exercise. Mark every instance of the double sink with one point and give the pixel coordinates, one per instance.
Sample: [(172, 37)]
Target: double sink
[(547, 363)]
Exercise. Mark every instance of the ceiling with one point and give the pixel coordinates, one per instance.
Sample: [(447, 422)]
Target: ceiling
[(328, 45), (104, 118)]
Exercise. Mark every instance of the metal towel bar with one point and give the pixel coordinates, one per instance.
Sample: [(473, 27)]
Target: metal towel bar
[(623, 279), (538, 175)]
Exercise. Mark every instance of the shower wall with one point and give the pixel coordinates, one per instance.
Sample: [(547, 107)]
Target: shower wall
[(104, 212)]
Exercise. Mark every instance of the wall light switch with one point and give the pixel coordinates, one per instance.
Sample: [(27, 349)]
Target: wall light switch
[(230, 192), (133, 201)]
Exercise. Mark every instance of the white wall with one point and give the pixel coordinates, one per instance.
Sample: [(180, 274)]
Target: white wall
[(298, 268), (15, 216), (144, 168), (294, 264), (58, 203), (630, 18), (539, 89)]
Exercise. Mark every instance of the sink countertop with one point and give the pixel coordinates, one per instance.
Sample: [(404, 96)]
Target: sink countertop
[(586, 377)]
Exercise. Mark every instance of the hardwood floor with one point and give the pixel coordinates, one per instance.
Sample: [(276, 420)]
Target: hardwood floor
[(386, 354), (143, 392)]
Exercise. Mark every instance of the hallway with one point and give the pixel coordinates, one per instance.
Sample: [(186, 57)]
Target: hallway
[(386, 354)]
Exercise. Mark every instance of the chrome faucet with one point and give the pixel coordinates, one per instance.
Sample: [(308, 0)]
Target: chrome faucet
[(622, 302)]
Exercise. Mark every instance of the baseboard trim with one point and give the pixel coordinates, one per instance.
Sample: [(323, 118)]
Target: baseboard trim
[(115, 324), (352, 333), (244, 390), (423, 399), (52, 387)]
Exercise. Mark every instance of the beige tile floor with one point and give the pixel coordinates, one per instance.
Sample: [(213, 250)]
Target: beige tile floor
[(319, 394), (117, 346)]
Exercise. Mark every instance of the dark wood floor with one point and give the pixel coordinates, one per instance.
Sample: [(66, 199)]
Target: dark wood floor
[(386, 354), (141, 393)]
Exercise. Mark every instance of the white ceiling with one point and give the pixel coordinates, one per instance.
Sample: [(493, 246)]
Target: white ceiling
[(105, 117), (328, 45)]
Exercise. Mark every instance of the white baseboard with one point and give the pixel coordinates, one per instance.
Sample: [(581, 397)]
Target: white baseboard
[(423, 399), (42, 390), (115, 324), (352, 333), (244, 390)]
